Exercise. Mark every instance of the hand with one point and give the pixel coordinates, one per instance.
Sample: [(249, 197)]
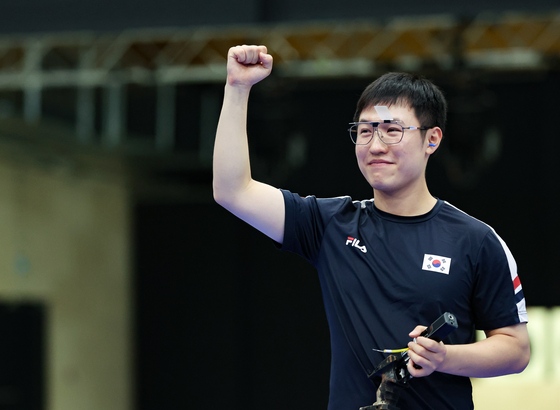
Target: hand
[(426, 353), (247, 65)]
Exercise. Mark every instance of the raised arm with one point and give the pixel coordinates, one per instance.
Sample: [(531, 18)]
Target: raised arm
[(258, 204)]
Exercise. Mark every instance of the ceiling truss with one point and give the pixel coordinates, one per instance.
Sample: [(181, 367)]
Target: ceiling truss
[(510, 41), (164, 58)]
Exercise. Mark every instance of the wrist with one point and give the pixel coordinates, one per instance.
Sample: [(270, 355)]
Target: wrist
[(237, 91)]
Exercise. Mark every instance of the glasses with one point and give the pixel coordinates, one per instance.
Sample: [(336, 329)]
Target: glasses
[(389, 132)]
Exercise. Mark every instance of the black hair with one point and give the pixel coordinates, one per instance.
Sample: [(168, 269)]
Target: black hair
[(421, 95)]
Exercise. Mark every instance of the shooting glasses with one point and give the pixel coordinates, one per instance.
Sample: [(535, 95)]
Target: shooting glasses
[(389, 132)]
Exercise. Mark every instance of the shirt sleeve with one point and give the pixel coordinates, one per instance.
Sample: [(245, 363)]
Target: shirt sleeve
[(306, 220), (498, 299)]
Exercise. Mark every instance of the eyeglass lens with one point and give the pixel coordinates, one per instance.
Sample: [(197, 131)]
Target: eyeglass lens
[(389, 133)]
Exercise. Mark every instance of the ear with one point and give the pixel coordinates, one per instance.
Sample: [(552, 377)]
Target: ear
[(433, 139)]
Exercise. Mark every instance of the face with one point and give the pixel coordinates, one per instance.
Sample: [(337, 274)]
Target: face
[(395, 168)]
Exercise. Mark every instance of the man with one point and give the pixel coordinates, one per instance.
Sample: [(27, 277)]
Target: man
[(391, 265)]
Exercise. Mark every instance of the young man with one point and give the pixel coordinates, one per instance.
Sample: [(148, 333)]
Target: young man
[(391, 265)]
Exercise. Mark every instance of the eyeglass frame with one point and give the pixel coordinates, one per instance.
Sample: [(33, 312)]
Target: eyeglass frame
[(375, 125)]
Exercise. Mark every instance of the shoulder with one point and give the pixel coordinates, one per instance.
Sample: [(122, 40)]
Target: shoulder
[(324, 205), (480, 234), (450, 214)]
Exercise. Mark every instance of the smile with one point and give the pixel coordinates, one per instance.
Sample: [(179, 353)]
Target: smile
[(377, 162)]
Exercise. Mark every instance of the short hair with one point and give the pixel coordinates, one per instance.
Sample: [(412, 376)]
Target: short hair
[(418, 93)]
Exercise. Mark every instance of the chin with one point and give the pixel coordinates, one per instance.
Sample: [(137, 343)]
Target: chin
[(378, 186)]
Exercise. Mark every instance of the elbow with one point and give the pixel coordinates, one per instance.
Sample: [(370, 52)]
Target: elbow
[(219, 195), (223, 196), (524, 359), (516, 346), (228, 193)]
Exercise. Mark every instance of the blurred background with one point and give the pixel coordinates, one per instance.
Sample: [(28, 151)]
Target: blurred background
[(124, 286)]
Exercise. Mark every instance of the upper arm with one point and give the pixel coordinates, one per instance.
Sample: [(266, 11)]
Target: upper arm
[(517, 339), (261, 206), (518, 332)]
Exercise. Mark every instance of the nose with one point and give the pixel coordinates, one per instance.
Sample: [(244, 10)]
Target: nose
[(377, 145)]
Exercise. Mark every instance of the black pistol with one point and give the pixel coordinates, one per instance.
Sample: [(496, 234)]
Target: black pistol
[(393, 371)]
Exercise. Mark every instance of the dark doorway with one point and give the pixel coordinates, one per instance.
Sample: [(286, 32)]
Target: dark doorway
[(22, 356)]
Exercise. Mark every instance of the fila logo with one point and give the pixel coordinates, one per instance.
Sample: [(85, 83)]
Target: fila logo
[(355, 243), (436, 263)]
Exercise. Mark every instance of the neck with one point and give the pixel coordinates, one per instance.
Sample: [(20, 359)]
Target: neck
[(414, 203)]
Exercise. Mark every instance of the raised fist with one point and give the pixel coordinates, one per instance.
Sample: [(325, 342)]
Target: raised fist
[(247, 65)]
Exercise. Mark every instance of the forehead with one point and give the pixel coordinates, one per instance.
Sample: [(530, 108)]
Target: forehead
[(399, 112)]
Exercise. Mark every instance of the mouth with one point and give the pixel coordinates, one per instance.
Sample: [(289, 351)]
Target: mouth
[(377, 162)]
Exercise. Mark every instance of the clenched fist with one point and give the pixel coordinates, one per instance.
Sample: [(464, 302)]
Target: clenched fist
[(247, 65)]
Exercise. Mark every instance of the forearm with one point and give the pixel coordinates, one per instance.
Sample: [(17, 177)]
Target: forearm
[(497, 355), (231, 165)]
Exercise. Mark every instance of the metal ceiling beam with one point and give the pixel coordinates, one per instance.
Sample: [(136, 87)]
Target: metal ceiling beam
[(509, 41), (164, 58)]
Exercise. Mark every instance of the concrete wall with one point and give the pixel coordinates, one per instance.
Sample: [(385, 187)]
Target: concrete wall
[(64, 242)]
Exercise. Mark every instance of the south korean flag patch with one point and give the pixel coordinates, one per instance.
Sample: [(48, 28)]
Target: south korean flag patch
[(436, 263)]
